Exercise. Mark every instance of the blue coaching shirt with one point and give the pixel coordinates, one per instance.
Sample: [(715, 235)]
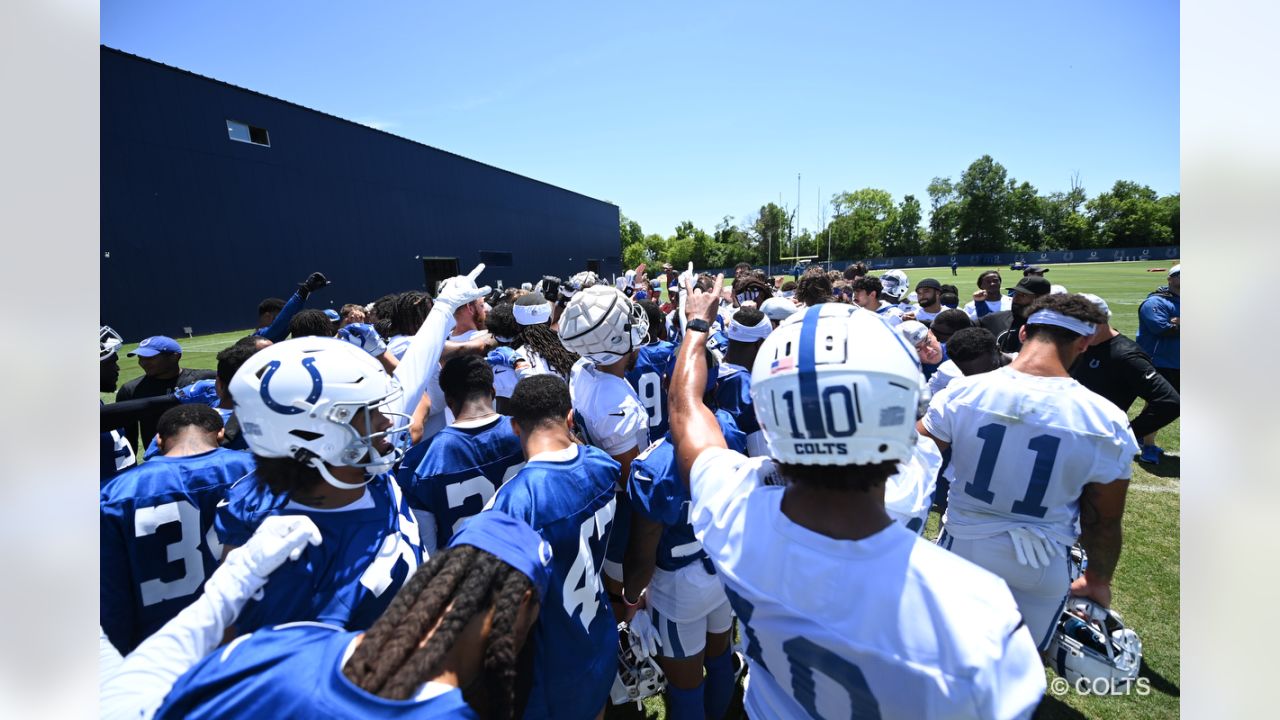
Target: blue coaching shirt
[(657, 493), (462, 468), (291, 671), (369, 549), (568, 498), (157, 544), (650, 378)]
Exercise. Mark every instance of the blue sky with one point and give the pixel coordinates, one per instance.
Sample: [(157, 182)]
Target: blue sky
[(697, 110)]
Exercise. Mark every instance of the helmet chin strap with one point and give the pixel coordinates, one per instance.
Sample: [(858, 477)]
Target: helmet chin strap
[(319, 465)]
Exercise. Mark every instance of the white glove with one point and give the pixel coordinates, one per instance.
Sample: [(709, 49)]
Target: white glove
[(643, 630), (277, 539), (460, 290), (1033, 547)]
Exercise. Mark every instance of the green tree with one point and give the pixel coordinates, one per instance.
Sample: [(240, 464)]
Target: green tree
[(1130, 215), (943, 217), (1169, 206), (730, 245), (904, 235), (983, 220), (768, 229), (863, 218), (1065, 226), (1026, 217)]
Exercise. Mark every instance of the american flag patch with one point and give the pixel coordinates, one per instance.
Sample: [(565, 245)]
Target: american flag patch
[(777, 366)]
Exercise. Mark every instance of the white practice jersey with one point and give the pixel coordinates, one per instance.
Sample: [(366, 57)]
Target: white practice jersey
[(615, 419), (923, 315), (908, 493), (538, 365), (943, 376), (1023, 448), (1005, 303), (890, 314), (889, 626)]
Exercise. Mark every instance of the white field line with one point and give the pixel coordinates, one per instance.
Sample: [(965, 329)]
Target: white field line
[(1157, 489)]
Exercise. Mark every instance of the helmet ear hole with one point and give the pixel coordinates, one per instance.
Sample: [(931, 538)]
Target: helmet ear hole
[(306, 435)]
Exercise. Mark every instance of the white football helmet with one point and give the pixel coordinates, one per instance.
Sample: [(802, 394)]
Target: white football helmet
[(109, 341), (603, 324), (638, 675), (834, 385), (1099, 651), (895, 284), (578, 282), (299, 399)]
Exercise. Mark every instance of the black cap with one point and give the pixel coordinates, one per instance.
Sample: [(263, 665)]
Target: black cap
[(1031, 285), (929, 283), (1034, 269)]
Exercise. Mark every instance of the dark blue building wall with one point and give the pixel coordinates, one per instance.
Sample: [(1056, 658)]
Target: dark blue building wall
[(198, 228)]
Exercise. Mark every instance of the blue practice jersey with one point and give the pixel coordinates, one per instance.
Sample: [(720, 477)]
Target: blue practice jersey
[(462, 468), (157, 544), (571, 504), (291, 671), (657, 493), (369, 549), (115, 453), (650, 377)]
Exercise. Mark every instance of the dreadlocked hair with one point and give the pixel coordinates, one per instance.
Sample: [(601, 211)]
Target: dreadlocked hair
[(409, 312), (453, 587), (547, 345)]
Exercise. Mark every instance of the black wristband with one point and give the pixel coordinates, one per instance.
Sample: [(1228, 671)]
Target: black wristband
[(698, 325)]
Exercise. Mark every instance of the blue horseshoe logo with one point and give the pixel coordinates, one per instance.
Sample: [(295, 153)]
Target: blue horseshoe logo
[(316, 385)]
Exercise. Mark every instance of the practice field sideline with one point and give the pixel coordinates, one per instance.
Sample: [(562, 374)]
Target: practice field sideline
[(1146, 587)]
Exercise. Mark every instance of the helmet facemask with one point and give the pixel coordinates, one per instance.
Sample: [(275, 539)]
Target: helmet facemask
[(361, 449)]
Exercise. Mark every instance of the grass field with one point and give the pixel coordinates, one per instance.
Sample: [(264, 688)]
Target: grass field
[(1146, 586)]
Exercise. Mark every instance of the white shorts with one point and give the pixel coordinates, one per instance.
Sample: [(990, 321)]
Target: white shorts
[(681, 640), (1041, 593), (687, 604)]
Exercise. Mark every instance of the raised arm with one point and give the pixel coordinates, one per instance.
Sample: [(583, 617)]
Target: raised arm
[(423, 356), (693, 426)]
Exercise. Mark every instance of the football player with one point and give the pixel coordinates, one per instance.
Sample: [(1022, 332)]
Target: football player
[(567, 493), (747, 330), (318, 415), (867, 295), (156, 539), (988, 298), (825, 582), (537, 342), (1034, 452), (115, 452), (608, 329), (133, 687), (652, 371), (466, 462), (685, 604)]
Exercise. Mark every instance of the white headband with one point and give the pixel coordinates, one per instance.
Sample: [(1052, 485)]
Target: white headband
[(749, 333), (532, 314), (1053, 317)]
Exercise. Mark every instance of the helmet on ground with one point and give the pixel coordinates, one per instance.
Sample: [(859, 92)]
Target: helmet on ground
[(1091, 642), (313, 399), (603, 324), (895, 284), (638, 675), (109, 341), (834, 385)]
